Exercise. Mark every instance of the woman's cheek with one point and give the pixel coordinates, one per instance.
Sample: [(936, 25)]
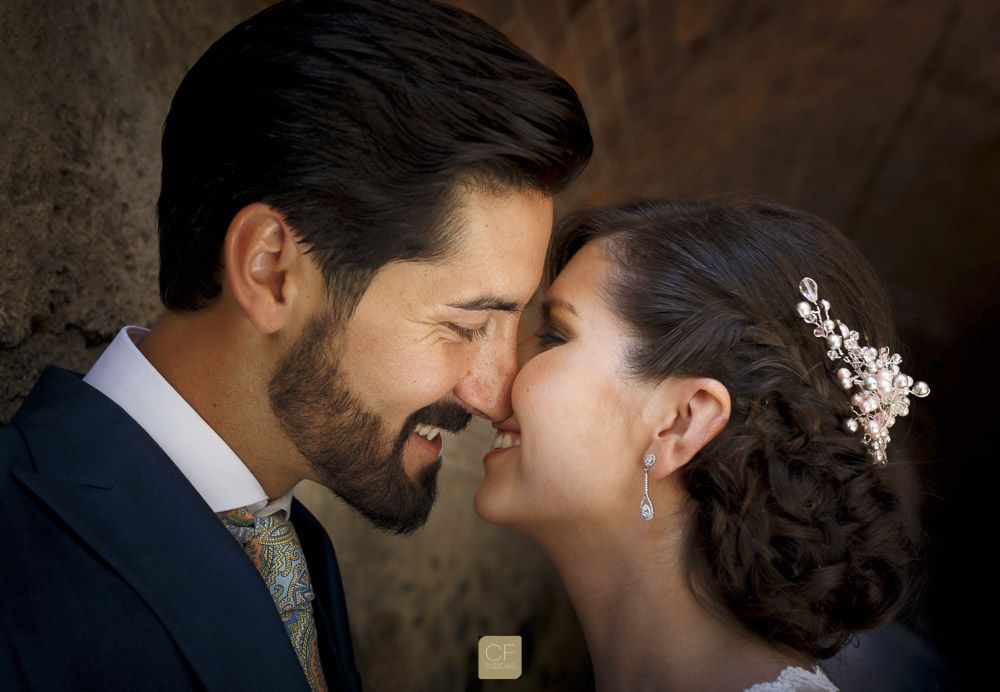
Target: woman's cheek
[(523, 389)]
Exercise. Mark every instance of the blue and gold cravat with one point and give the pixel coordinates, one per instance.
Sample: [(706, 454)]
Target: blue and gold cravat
[(275, 550)]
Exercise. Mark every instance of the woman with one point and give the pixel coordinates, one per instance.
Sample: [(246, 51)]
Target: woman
[(689, 455)]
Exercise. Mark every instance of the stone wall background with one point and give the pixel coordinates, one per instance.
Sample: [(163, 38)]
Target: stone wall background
[(881, 115)]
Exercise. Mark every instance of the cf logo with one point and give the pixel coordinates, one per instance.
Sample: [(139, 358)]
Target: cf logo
[(499, 658), (496, 652)]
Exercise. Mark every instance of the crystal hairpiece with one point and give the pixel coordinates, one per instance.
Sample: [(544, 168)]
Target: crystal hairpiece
[(881, 391)]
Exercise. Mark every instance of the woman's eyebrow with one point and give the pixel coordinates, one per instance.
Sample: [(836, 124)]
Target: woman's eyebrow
[(550, 303)]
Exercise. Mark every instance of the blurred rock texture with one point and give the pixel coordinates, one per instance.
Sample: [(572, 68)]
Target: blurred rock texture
[(882, 116)]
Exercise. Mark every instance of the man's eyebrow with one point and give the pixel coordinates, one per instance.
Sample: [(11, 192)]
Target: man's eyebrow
[(489, 303), (550, 303)]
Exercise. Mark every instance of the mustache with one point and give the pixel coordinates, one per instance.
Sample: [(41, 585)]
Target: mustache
[(446, 415)]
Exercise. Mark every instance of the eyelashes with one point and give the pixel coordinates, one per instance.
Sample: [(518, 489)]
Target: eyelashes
[(549, 338), (470, 335), (546, 338)]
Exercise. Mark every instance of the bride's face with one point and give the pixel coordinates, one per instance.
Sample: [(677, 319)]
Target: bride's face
[(575, 412)]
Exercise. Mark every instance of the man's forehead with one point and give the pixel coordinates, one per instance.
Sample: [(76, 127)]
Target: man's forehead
[(494, 257)]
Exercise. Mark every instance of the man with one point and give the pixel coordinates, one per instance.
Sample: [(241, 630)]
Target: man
[(354, 210)]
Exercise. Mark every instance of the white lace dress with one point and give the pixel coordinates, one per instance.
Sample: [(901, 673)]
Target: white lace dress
[(794, 679)]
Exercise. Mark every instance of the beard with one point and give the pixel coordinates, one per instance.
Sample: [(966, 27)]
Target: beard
[(348, 445)]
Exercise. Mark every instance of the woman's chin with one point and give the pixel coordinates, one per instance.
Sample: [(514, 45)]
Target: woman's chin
[(488, 506), (497, 509), (494, 506)]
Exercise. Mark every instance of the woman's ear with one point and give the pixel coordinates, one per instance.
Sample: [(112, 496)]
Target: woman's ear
[(687, 413), (260, 254)]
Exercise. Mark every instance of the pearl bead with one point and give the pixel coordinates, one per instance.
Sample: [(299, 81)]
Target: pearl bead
[(878, 390)]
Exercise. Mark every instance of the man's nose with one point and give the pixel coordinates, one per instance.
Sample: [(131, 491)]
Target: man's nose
[(486, 387)]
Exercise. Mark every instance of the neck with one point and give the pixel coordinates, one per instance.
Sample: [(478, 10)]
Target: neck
[(644, 627), (210, 360)]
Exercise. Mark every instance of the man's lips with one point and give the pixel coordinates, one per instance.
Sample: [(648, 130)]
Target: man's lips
[(429, 422), (427, 431), (429, 438), (440, 416)]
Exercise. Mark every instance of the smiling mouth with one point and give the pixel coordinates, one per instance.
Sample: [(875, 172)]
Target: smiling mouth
[(442, 416), (506, 438), (427, 431)]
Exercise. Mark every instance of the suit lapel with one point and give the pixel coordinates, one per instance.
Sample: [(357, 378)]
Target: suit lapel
[(117, 490), (329, 609)]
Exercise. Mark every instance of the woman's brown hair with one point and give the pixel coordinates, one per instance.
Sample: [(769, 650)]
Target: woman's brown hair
[(796, 531)]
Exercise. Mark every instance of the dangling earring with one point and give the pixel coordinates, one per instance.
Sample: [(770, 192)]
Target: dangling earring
[(646, 508)]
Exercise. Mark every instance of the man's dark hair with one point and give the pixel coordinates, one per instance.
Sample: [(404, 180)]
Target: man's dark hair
[(358, 120)]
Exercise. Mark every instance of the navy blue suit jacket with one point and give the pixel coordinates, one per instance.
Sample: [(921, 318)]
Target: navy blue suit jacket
[(115, 574)]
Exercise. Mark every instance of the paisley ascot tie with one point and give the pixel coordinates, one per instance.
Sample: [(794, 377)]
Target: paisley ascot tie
[(275, 551)]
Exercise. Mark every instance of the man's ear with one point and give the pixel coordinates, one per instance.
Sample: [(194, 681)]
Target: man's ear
[(260, 253), (687, 413)]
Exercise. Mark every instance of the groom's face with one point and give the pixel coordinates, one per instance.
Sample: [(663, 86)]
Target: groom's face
[(429, 345)]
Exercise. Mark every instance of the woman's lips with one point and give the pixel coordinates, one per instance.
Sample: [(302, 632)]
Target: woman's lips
[(503, 441), (506, 438)]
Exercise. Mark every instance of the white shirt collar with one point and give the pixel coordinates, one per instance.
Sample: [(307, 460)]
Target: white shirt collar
[(124, 375)]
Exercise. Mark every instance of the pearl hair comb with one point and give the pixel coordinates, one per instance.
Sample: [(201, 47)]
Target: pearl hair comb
[(881, 393)]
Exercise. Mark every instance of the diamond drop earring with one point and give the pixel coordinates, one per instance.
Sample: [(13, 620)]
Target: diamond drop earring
[(646, 507)]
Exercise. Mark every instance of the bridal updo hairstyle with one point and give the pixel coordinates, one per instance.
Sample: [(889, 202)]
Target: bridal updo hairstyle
[(796, 531)]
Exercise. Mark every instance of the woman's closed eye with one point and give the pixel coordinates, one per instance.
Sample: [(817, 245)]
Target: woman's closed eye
[(548, 338)]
